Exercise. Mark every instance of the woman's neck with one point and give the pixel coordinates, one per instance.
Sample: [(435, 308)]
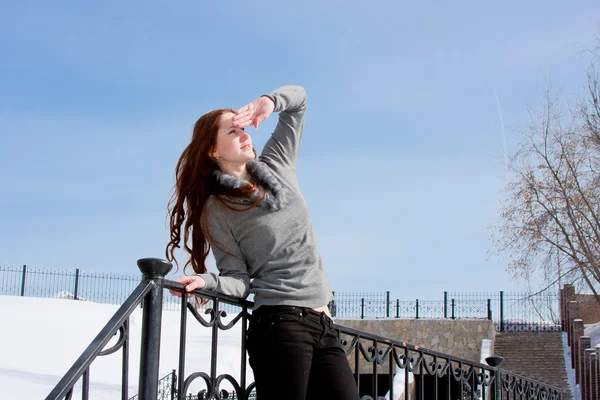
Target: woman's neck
[(238, 171)]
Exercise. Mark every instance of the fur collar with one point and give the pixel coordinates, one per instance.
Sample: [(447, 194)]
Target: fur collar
[(260, 172)]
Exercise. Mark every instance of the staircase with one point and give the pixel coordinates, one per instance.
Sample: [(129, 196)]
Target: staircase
[(538, 355)]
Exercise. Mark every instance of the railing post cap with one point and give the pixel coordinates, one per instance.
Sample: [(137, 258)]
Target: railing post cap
[(494, 361), (154, 266)]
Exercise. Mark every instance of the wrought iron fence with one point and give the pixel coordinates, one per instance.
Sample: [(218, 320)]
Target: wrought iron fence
[(510, 311), (380, 305), (518, 311), (108, 288), (103, 288), (436, 375), (367, 305), (225, 395), (167, 387)]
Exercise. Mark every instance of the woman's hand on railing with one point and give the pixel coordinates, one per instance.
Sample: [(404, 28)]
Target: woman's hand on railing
[(408, 345), (191, 283)]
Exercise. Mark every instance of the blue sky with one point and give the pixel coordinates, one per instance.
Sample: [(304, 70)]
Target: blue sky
[(401, 163)]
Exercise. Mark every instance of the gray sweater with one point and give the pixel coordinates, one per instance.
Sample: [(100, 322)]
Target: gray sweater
[(269, 250)]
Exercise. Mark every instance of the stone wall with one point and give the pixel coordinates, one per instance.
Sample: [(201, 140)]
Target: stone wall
[(459, 338)]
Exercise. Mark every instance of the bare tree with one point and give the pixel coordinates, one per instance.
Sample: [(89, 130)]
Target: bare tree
[(549, 221)]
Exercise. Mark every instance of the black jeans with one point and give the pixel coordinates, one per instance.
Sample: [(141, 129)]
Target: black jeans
[(295, 355)]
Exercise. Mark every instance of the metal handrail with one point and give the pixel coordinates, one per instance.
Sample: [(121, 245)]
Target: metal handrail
[(66, 384), (377, 350)]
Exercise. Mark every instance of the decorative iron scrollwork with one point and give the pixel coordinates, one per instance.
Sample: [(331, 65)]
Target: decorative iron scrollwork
[(122, 331)]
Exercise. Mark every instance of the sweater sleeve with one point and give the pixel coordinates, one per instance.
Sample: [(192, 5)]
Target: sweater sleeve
[(281, 150), (233, 278)]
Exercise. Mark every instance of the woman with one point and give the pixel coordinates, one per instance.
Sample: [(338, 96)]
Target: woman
[(251, 212)]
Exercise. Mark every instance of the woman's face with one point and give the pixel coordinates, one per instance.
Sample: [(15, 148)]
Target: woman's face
[(233, 146)]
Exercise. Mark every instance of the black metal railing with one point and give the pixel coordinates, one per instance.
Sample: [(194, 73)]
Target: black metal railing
[(376, 360), (119, 323)]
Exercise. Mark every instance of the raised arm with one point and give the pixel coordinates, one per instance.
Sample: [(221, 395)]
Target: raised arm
[(283, 145), (281, 150)]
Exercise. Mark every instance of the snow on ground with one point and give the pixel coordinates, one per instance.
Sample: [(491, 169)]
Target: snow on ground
[(593, 331), (486, 350), (41, 338), (399, 385), (575, 392)]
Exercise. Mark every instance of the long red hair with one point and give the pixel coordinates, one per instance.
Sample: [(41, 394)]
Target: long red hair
[(194, 184)]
